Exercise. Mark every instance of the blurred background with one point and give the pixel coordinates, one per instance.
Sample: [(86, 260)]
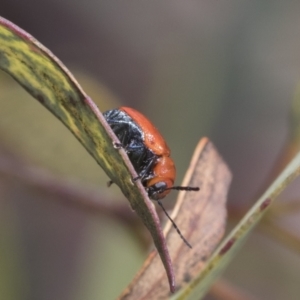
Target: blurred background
[(223, 69)]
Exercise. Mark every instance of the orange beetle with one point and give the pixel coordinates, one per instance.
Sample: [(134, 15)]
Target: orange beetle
[(146, 149), (148, 153)]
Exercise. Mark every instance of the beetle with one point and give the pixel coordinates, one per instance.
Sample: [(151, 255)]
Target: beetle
[(148, 153)]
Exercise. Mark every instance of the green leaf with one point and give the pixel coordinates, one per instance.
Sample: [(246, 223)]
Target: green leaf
[(48, 80), (198, 287)]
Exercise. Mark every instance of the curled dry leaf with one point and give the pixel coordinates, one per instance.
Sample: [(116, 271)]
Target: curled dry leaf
[(200, 216)]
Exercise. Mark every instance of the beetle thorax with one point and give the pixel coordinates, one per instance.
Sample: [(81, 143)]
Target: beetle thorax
[(164, 174)]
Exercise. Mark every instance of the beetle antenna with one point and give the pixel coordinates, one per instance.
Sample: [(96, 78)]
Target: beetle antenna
[(183, 188), (175, 226)]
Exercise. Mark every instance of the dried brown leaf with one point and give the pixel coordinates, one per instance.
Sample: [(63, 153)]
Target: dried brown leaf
[(200, 216)]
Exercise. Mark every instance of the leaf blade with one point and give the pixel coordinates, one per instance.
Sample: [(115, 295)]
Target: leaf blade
[(39, 72)]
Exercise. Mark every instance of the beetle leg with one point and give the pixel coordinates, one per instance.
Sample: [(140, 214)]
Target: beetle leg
[(146, 170)]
